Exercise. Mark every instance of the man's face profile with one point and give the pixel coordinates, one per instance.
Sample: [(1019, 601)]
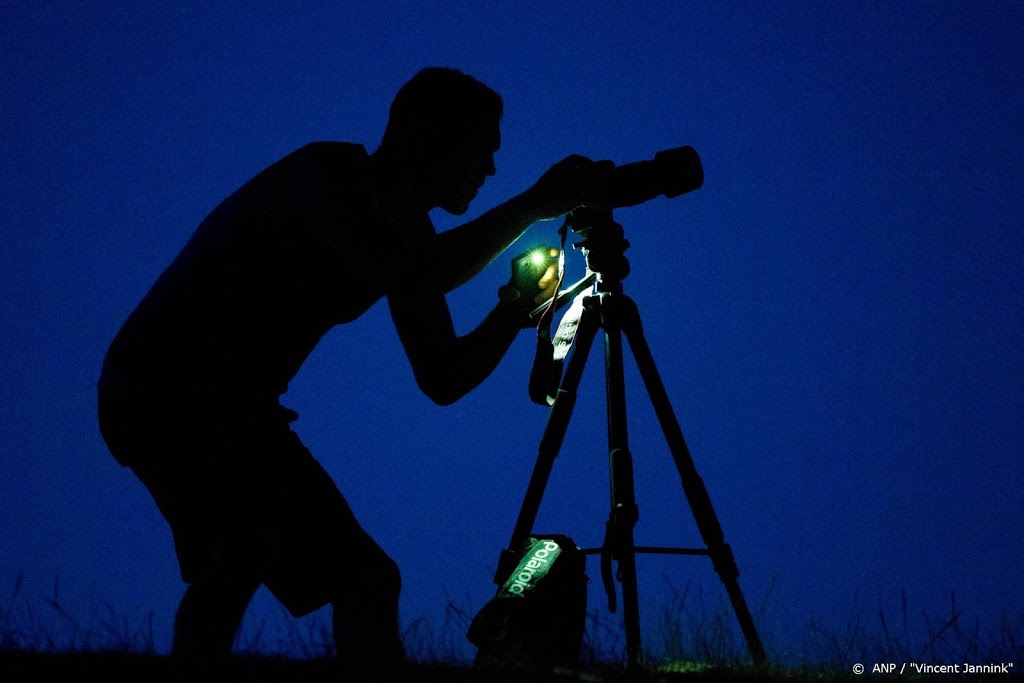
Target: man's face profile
[(464, 164)]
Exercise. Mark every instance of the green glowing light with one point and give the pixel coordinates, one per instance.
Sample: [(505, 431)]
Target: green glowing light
[(538, 257)]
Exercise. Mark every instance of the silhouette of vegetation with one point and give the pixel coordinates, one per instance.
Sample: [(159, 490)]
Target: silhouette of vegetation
[(690, 641), (52, 628)]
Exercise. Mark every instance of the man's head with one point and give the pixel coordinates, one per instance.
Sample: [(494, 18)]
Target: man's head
[(445, 124)]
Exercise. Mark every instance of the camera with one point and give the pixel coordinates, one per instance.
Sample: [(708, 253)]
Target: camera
[(534, 269), (671, 173), (536, 260)]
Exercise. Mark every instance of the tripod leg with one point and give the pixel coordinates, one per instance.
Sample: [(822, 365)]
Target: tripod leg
[(624, 512), (550, 443), (693, 486)]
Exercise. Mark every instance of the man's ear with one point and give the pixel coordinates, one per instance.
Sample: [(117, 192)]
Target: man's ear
[(425, 154)]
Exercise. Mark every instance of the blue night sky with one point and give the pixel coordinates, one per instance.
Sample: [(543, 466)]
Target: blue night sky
[(836, 313)]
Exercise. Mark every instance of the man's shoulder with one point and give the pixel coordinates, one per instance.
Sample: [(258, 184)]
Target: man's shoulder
[(319, 171), (330, 152)]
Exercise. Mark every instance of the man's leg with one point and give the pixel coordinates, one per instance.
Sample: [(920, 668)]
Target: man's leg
[(365, 616), (318, 553), (210, 614), (199, 474)]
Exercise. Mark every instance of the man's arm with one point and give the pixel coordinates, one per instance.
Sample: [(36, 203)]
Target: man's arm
[(448, 367), (457, 255)]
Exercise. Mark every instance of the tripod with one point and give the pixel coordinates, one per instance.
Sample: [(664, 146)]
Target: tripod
[(609, 309)]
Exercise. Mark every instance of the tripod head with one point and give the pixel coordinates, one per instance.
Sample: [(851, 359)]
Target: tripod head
[(671, 173), (603, 246)]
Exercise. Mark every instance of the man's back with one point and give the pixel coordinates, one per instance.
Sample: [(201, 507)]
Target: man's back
[(292, 253)]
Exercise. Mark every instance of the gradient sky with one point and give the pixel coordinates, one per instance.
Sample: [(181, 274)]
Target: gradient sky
[(836, 313)]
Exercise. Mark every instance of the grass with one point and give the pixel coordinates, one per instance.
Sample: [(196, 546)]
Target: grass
[(51, 628), (691, 641)]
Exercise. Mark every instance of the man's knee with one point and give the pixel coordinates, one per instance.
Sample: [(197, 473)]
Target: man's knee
[(390, 577), (384, 576), (372, 578)]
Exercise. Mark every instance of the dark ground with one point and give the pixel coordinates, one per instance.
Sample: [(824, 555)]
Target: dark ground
[(24, 666), (21, 665)]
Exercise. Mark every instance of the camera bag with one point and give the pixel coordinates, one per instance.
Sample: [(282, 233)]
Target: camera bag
[(539, 614)]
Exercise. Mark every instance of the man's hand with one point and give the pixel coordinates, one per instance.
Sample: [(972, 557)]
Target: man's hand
[(569, 184), (534, 280)]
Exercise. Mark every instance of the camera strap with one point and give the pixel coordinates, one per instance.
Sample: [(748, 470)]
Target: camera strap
[(550, 355), (546, 373)]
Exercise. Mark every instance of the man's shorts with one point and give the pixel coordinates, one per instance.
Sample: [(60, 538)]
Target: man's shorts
[(243, 496)]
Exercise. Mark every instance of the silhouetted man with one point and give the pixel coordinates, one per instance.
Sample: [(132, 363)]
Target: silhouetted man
[(190, 388)]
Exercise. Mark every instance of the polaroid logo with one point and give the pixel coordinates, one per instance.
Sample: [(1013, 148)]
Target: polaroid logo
[(537, 563)]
